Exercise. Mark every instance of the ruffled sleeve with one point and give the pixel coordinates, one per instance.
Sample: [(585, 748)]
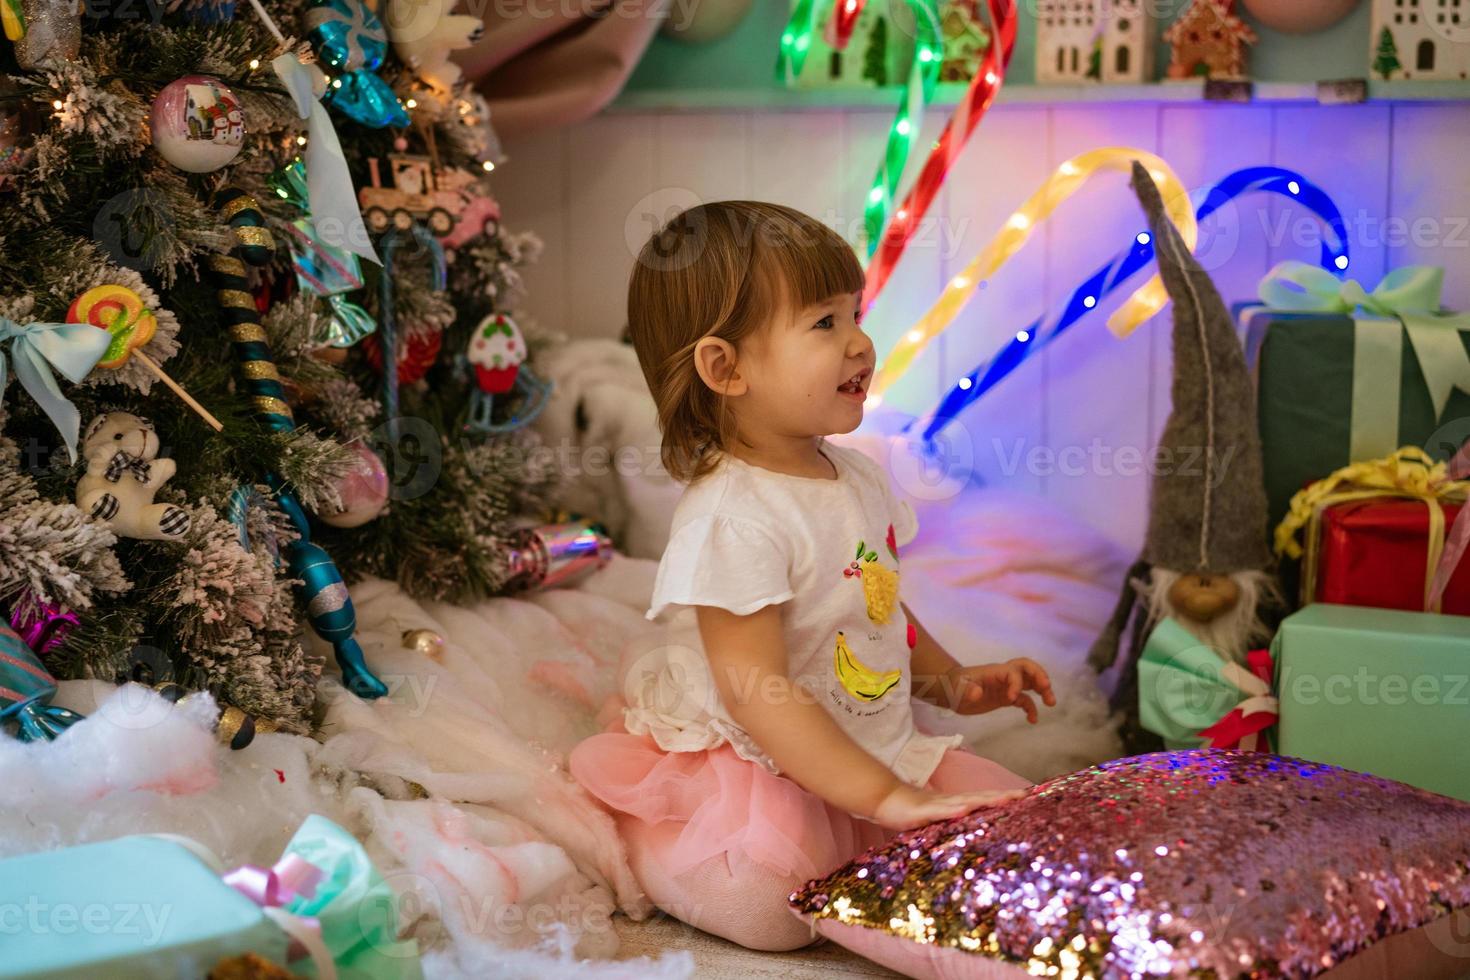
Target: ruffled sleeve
[(722, 561)]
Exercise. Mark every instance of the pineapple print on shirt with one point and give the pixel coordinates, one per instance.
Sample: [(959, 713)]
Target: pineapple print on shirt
[(880, 584)]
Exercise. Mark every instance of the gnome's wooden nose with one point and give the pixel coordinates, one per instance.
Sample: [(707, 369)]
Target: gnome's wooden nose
[(1204, 597)]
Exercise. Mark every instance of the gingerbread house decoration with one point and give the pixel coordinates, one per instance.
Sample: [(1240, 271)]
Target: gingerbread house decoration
[(1098, 40), (1209, 39), (1420, 39), (965, 40)]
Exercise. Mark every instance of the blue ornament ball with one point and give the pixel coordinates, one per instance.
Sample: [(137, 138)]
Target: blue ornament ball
[(346, 34)]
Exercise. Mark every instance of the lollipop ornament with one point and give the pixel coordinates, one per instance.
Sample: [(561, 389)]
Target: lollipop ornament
[(26, 689), (122, 313)]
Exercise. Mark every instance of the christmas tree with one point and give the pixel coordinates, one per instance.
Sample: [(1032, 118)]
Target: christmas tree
[(875, 56), (1386, 58), (173, 182)]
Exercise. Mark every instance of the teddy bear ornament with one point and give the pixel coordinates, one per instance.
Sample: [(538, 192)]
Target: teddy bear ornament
[(123, 475)]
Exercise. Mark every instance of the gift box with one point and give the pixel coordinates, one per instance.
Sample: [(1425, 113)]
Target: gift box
[(1377, 690), (1341, 372), (157, 906), (1376, 552), (133, 907), (1388, 533), (1193, 697)]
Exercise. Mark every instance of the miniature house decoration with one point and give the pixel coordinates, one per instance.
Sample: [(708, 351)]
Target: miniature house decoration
[(878, 52), (1209, 40), (1098, 40), (966, 40), (1420, 39)]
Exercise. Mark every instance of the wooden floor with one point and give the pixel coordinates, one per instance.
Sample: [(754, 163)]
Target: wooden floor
[(720, 959)]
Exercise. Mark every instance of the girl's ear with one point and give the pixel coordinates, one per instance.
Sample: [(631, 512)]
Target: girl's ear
[(715, 361)]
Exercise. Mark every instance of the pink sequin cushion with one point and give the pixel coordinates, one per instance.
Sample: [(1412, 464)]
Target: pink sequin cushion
[(1199, 863)]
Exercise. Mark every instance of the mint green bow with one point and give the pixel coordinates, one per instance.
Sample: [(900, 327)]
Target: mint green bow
[(1185, 688), (71, 348), (1409, 296), (355, 907)]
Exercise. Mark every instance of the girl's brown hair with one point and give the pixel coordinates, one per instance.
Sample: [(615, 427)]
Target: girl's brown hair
[(722, 270)]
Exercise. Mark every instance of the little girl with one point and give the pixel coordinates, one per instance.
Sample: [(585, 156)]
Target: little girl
[(786, 744)]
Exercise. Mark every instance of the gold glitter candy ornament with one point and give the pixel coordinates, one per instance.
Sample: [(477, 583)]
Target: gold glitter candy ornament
[(1196, 863)]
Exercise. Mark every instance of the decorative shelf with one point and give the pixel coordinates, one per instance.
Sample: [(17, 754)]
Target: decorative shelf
[(949, 94)]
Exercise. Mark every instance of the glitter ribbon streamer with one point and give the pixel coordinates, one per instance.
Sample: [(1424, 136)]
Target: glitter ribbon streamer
[(1067, 180), (888, 238), (1111, 277)]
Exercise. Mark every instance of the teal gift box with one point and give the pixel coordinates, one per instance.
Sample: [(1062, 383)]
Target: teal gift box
[(1377, 690), (134, 907), (1344, 375)]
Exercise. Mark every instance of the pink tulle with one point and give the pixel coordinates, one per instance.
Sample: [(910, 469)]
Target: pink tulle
[(730, 805)]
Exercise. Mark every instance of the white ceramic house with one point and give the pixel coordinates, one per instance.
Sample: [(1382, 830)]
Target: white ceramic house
[(1425, 39), (1070, 34)]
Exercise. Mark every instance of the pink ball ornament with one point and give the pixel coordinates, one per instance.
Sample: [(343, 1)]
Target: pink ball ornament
[(364, 491), (197, 123), (1299, 16)]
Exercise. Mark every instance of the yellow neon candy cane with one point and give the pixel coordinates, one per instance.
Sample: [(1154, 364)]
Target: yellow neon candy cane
[(1147, 300)]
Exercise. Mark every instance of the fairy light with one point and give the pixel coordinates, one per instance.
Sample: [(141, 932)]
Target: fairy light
[(488, 166), (903, 127), (254, 63), (1111, 277), (412, 103), (1068, 178), (301, 141), (57, 104)]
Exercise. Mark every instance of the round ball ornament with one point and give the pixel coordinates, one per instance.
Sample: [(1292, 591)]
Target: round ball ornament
[(364, 491), (496, 351), (1299, 16), (346, 34), (197, 123), (414, 360)]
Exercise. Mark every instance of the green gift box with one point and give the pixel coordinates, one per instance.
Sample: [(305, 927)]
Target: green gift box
[(1377, 690), (1343, 375)]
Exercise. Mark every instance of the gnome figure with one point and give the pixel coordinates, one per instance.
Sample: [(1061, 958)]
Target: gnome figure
[(1205, 560)]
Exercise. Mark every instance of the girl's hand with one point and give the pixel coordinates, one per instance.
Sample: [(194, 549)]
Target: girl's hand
[(907, 807), (976, 690)]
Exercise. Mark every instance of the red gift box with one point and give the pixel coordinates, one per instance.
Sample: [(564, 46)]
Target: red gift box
[(1375, 552)]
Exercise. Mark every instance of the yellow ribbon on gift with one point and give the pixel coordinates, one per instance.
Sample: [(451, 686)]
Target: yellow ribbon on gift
[(1147, 300), (1409, 473), (1406, 301)]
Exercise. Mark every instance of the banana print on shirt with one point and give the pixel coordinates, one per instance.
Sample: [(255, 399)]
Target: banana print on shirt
[(858, 679)]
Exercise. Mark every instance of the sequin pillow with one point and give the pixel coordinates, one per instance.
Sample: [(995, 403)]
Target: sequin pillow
[(1201, 863)]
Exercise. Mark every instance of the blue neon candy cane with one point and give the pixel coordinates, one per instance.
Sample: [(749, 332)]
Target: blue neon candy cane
[(1273, 180)]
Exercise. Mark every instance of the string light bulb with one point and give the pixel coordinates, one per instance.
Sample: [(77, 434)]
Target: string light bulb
[(488, 166), (254, 63), (412, 103)]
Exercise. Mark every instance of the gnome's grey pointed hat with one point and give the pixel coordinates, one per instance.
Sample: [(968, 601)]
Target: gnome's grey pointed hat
[(1207, 510), (1208, 506)]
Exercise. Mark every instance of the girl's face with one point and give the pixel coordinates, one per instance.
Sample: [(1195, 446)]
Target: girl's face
[(808, 372)]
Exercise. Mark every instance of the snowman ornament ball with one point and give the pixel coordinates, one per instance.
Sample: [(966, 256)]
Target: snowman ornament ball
[(198, 124)]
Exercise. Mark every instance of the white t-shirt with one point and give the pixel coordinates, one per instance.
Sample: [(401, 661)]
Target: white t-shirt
[(744, 537)]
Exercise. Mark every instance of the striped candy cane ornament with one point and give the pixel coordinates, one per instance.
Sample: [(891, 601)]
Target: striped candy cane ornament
[(328, 605)]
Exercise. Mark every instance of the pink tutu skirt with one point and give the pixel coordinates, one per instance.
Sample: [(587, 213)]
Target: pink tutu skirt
[(729, 805)]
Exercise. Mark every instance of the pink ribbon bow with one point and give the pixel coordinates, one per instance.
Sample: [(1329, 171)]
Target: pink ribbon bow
[(273, 887)]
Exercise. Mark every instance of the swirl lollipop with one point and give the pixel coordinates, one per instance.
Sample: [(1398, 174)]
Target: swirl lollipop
[(122, 313)]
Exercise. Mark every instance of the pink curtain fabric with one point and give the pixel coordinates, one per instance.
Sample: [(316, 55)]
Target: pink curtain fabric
[(542, 64)]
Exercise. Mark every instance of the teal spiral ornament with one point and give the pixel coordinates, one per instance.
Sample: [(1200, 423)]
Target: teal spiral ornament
[(321, 589)]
